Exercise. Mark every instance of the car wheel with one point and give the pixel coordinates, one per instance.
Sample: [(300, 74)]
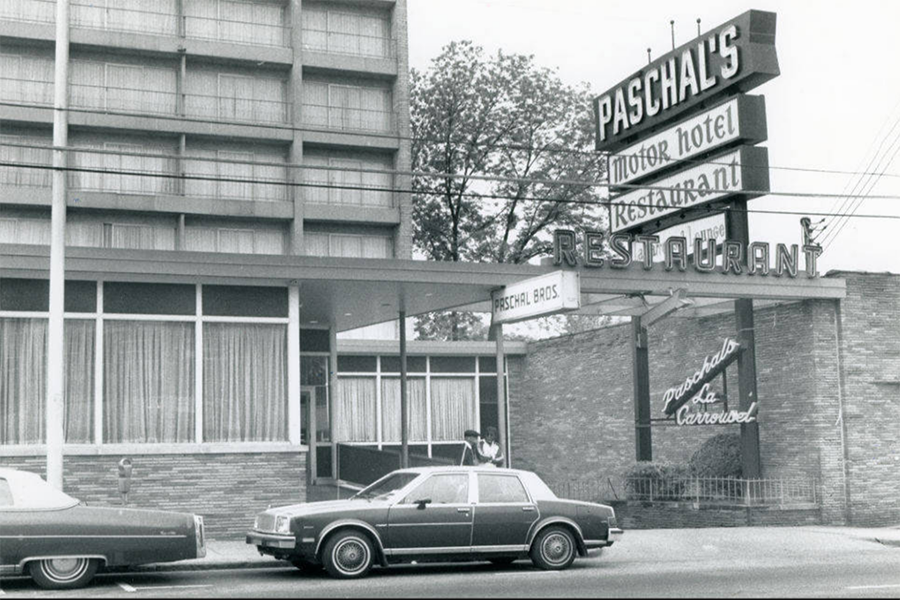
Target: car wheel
[(63, 573), (306, 566), (553, 549), (348, 554), (502, 561)]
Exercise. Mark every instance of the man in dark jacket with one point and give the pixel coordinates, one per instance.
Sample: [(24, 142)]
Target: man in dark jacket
[(471, 457)]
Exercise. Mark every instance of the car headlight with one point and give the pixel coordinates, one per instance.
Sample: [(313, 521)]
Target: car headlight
[(282, 524), (256, 523)]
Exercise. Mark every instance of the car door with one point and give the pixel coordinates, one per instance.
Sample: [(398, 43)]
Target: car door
[(10, 546), (504, 513), (435, 517)]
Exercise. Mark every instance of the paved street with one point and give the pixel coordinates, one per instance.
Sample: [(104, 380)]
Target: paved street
[(798, 562)]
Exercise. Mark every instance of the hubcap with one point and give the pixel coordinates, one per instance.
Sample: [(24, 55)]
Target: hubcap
[(65, 569), (352, 556), (556, 548)]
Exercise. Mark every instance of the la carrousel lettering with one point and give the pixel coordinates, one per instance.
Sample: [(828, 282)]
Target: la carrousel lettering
[(677, 396)]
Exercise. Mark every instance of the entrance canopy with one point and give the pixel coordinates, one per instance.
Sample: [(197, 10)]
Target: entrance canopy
[(351, 293)]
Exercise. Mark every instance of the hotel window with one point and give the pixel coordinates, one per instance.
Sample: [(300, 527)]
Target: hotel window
[(344, 182), (236, 175), (16, 230), (347, 107), (236, 96), (32, 11), (262, 23), (158, 17), (342, 32), (26, 78), (95, 233), (13, 150), (349, 245), (111, 167), (240, 241), (122, 87)]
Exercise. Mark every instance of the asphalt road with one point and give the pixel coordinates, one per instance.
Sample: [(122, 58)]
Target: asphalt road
[(677, 563)]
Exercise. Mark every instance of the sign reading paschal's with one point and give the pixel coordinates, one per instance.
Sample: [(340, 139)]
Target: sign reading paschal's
[(736, 56)]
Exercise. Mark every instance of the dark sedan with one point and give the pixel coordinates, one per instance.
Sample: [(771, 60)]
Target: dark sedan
[(61, 542), (437, 513)]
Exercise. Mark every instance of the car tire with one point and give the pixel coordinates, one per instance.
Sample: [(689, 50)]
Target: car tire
[(63, 573), (306, 567), (553, 549), (503, 561), (348, 555)]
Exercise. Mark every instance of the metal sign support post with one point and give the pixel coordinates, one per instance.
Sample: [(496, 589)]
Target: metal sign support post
[(737, 228), (501, 392), (640, 364)]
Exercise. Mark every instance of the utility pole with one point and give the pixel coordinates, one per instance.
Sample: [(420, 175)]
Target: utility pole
[(56, 358)]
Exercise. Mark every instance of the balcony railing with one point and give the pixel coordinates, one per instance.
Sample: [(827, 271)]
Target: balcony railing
[(26, 91), (348, 119), (120, 99), (319, 40), (94, 15), (31, 11), (236, 109), (90, 15)]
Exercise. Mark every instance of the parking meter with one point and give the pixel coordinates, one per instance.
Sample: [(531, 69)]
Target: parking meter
[(125, 469)]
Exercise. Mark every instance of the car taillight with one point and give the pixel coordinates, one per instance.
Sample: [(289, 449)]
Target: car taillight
[(200, 536)]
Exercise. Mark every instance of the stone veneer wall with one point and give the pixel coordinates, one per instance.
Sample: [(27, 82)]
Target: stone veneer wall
[(226, 489)]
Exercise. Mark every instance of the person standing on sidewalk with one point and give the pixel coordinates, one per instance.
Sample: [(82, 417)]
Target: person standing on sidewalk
[(472, 456), (490, 449)]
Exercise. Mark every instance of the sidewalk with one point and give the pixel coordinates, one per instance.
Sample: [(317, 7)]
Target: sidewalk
[(240, 555)]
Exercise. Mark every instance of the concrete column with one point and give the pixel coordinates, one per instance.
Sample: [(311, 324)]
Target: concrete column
[(56, 358), (332, 392), (404, 398), (295, 118), (501, 393), (403, 158)]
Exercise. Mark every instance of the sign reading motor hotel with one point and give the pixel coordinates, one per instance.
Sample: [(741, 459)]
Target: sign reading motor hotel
[(736, 56)]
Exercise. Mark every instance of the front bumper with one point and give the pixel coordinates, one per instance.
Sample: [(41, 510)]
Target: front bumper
[(615, 534), (271, 540)]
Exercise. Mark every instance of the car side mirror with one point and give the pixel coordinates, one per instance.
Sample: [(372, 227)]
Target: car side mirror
[(420, 504)]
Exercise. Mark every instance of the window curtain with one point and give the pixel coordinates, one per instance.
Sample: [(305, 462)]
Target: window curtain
[(355, 416), (452, 407), (25, 231), (315, 104), (316, 244), (244, 382), (314, 28), (23, 391), (316, 180), (19, 176), (79, 407), (142, 237), (239, 175), (148, 382), (201, 18), (390, 409), (203, 172)]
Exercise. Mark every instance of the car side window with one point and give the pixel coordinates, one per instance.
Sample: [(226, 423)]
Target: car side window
[(441, 489), (6, 498), (496, 488)]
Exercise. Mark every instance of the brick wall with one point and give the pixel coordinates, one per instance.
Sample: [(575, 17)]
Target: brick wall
[(870, 355), (635, 515), (572, 410), (226, 489)]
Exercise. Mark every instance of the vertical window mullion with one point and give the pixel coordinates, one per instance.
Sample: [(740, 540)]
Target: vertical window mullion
[(98, 368), (477, 394), (427, 400), (379, 419), (198, 367)]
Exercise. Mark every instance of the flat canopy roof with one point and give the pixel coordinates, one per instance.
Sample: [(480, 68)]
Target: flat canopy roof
[(354, 292)]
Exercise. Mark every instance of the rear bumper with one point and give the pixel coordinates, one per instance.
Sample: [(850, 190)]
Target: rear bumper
[(614, 535), (271, 540)]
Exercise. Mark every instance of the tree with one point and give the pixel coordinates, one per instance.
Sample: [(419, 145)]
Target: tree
[(517, 123)]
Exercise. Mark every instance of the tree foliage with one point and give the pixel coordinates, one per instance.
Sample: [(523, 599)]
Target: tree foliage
[(507, 118)]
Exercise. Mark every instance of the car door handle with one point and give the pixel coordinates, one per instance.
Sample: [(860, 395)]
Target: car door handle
[(527, 509), (463, 509)]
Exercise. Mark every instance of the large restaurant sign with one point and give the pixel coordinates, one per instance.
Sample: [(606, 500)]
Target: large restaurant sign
[(736, 56)]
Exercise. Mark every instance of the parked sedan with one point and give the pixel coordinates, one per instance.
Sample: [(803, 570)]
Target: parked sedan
[(61, 542), (437, 513)]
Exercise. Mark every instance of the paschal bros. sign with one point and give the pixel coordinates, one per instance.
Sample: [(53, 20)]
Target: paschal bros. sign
[(736, 56), (539, 296)]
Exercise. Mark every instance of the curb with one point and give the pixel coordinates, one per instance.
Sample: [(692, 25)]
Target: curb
[(200, 566)]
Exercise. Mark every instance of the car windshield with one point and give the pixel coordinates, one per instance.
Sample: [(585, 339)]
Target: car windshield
[(386, 486), (30, 491)]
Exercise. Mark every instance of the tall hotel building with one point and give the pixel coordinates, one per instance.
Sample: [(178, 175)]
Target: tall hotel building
[(207, 275)]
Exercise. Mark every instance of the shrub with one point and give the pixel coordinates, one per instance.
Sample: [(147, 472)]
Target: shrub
[(655, 481), (719, 456)]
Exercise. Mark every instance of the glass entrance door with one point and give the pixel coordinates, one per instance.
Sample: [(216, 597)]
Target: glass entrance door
[(315, 417)]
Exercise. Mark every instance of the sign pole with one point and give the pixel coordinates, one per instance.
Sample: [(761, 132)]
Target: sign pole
[(640, 364), (737, 228)]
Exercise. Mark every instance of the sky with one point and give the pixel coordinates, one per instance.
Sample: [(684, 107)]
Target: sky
[(835, 106)]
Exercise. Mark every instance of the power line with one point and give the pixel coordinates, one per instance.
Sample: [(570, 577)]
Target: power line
[(495, 178), (549, 149), (701, 208)]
